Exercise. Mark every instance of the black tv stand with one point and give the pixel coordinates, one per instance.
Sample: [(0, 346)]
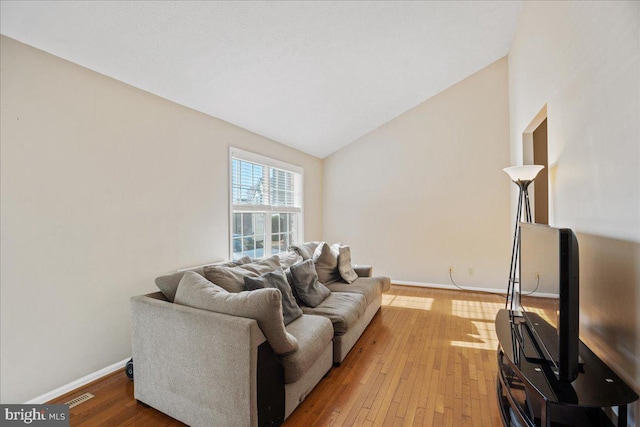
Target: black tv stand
[(528, 343), (529, 393)]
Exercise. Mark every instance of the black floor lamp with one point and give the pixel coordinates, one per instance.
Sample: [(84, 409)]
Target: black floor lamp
[(522, 176)]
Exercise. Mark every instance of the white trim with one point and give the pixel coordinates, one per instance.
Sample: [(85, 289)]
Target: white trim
[(44, 398), (263, 160), (263, 208), (540, 295), (230, 203), (441, 286), (455, 288)]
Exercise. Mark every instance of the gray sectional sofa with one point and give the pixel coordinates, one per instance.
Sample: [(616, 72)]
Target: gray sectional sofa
[(209, 357)]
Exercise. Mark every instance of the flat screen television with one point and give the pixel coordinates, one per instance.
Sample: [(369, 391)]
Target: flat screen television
[(549, 263)]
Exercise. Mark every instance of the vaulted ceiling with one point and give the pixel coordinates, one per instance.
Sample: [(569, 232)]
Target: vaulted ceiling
[(313, 75)]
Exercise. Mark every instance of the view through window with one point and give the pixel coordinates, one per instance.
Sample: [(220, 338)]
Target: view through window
[(266, 198)]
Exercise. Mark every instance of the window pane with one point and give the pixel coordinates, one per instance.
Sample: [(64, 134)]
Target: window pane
[(293, 229), (247, 182), (237, 225), (257, 188), (282, 187), (247, 224), (237, 248), (250, 186), (284, 222), (259, 247), (278, 243), (283, 230), (248, 244), (248, 234), (259, 218)]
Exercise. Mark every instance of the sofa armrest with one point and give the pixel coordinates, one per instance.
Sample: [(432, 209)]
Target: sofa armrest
[(197, 366), (363, 270)]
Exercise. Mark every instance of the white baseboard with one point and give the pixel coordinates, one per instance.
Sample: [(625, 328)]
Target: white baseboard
[(448, 287), (44, 398), (465, 288)]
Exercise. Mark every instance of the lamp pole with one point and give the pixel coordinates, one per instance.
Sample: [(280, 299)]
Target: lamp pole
[(522, 176)]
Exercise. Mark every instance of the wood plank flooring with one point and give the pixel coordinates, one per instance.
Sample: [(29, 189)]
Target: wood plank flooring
[(428, 358)]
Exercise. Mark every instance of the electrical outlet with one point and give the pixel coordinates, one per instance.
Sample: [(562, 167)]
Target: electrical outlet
[(451, 269), (470, 271)]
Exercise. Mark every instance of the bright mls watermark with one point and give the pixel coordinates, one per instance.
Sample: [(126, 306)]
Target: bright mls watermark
[(34, 415)]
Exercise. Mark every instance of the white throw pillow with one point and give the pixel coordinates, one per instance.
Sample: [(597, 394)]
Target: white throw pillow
[(344, 264)]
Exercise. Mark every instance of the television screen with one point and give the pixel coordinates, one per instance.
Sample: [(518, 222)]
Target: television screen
[(549, 267)]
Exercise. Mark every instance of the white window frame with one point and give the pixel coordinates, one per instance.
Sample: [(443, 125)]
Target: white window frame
[(248, 156)]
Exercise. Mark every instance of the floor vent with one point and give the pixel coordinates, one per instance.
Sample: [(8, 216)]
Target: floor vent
[(78, 400)]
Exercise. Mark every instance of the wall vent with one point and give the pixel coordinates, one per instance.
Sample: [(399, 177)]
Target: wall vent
[(78, 400)]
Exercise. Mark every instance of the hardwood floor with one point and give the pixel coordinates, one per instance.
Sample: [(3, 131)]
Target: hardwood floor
[(428, 358)]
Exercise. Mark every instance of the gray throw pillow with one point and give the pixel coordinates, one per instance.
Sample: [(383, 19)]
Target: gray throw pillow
[(307, 287), (230, 279), (276, 279), (305, 249), (345, 268), (287, 273), (262, 266), (325, 259), (263, 305), (168, 284)]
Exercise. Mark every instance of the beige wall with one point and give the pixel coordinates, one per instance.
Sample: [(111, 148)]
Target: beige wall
[(104, 187), (426, 191), (582, 60)]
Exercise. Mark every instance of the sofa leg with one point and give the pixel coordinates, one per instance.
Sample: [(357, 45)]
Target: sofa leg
[(139, 402), (270, 376), (326, 373)]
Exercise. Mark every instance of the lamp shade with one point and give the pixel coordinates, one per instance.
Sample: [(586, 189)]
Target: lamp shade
[(523, 173)]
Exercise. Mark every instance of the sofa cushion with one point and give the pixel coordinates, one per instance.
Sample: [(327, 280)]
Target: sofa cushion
[(305, 250), (263, 266), (345, 268), (263, 305), (325, 258), (363, 270), (369, 287), (342, 308), (313, 333), (287, 259), (276, 279), (306, 287), (386, 283), (230, 279), (244, 260)]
